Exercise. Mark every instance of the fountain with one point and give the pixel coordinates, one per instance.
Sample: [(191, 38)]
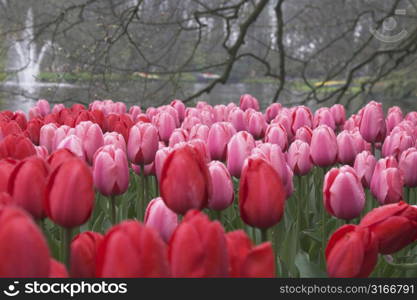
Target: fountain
[(26, 59)]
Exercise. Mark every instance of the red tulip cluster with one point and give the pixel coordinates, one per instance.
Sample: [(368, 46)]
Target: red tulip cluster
[(55, 164)]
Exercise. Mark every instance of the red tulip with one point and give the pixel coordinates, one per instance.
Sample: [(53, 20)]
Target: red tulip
[(394, 225), (185, 181), (198, 248), (352, 252), (58, 157), (70, 193), (6, 168), (246, 260), (130, 249), (159, 217), (111, 171), (33, 130), (343, 194), (16, 146), (84, 247), (323, 138), (142, 144), (372, 125), (57, 269), (27, 184), (261, 194), (23, 248), (222, 194)]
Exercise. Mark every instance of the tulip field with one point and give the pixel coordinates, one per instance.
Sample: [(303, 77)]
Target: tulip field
[(208, 191)]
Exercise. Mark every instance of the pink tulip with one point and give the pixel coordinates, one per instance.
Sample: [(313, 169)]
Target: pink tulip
[(220, 113), (115, 139), (160, 158), (339, 114), (407, 165), (349, 144), (142, 143), (238, 149), (201, 146), (394, 117), (159, 217), (178, 135), (284, 119), (301, 116), (237, 118), (41, 152), (304, 134), (323, 147), (255, 123), (372, 126), (46, 137), (219, 135), (134, 112), (199, 131), (299, 157), (276, 134), (60, 134), (74, 144), (248, 101), (272, 111), (111, 171), (352, 123), (388, 187), (343, 194), (172, 111), (222, 193), (43, 106), (323, 116), (412, 117), (179, 107), (364, 166), (396, 143), (91, 137), (165, 123)]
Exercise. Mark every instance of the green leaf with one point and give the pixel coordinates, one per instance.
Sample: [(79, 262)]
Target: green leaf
[(306, 268)]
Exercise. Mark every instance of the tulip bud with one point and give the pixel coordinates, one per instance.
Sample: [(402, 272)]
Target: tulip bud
[(261, 194), (178, 135), (57, 270), (372, 125), (185, 181), (248, 101), (339, 114), (16, 147), (352, 252), (301, 116), (324, 116), (246, 260), (115, 139), (394, 225), (84, 247), (165, 123), (159, 217), (323, 147), (272, 111), (394, 117), (407, 163), (111, 171), (387, 186), (238, 149), (218, 137), (276, 134), (364, 166), (27, 184), (70, 193), (343, 194), (396, 143), (142, 144), (23, 249), (222, 194), (198, 248), (179, 107), (74, 144), (255, 123), (304, 134), (91, 138), (130, 249), (299, 157)]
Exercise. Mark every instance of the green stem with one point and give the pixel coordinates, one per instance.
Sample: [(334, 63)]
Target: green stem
[(139, 203), (218, 215), (264, 235), (142, 173), (113, 209), (67, 234)]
